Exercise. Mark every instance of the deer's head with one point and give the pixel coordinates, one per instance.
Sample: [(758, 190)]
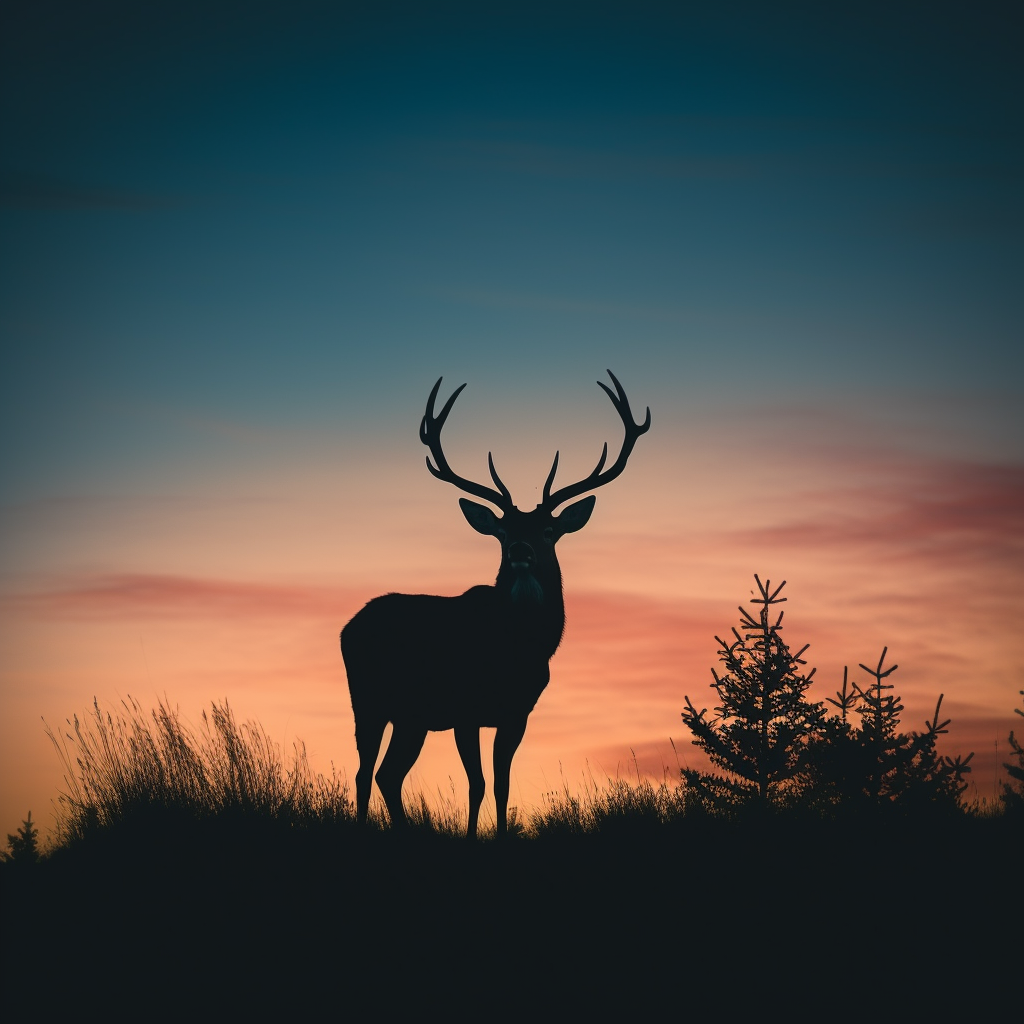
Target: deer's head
[(528, 538)]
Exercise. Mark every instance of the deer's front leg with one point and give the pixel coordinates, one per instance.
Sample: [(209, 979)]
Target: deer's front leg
[(467, 739), (506, 743)]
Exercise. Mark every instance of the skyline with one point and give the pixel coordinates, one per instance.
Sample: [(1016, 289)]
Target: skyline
[(238, 251)]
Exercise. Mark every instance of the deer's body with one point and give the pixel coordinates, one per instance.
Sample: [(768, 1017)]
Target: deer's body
[(478, 660), (475, 660)]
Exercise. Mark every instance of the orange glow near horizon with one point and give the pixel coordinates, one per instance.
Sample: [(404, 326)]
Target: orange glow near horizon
[(923, 561)]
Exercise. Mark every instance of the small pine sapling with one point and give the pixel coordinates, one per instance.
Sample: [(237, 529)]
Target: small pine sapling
[(23, 846), (838, 760), (905, 771), (761, 728), (1013, 792), (880, 719)]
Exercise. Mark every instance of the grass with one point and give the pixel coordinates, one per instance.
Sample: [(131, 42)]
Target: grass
[(201, 867), (120, 769), (610, 808), (142, 771), (137, 769)]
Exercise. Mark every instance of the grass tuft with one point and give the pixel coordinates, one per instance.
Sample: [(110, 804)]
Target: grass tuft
[(131, 766), (615, 807)]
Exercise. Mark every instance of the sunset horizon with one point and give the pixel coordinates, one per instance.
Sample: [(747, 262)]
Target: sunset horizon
[(240, 246)]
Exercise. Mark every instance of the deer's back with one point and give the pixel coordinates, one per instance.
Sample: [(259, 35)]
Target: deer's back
[(442, 660)]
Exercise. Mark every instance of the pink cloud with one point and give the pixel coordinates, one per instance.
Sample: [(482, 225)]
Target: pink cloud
[(142, 595), (955, 510)]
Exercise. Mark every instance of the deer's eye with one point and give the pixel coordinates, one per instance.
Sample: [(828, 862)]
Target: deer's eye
[(549, 534)]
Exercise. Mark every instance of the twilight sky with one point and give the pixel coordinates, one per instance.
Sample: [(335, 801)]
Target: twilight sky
[(237, 249)]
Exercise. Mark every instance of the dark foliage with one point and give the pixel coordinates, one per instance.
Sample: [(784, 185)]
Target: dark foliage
[(877, 768), (23, 846), (782, 751), (763, 724), (1013, 791), (132, 768)]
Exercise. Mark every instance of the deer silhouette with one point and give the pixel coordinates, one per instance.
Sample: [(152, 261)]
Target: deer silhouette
[(427, 663)]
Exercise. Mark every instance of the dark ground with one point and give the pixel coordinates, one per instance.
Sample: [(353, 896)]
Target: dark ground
[(806, 924)]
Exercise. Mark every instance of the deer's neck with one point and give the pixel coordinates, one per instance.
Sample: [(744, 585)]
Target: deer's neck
[(534, 605)]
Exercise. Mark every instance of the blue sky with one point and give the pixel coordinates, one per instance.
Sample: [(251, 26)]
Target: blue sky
[(259, 213)]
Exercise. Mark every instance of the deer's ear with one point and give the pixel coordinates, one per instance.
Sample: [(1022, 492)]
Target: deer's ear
[(576, 516), (480, 517)]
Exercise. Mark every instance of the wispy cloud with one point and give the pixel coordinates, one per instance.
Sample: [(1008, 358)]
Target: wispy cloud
[(964, 219), (501, 298), (540, 159), (127, 596), (727, 149), (31, 191), (954, 510)]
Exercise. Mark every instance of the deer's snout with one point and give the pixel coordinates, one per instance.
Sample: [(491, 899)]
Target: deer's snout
[(521, 555)]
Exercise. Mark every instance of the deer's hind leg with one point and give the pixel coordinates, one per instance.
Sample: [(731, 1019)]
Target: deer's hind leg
[(467, 739), (405, 746), (369, 733), (506, 743)]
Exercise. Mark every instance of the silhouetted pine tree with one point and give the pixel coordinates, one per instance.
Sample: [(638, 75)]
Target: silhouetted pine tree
[(880, 719), (761, 728), (778, 748), (877, 766), (838, 760), (1013, 792), (905, 770), (23, 846)]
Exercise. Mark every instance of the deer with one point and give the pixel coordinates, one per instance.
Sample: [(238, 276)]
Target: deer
[(478, 660)]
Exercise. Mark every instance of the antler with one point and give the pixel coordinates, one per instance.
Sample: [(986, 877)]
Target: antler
[(597, 478), (430, 435)]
